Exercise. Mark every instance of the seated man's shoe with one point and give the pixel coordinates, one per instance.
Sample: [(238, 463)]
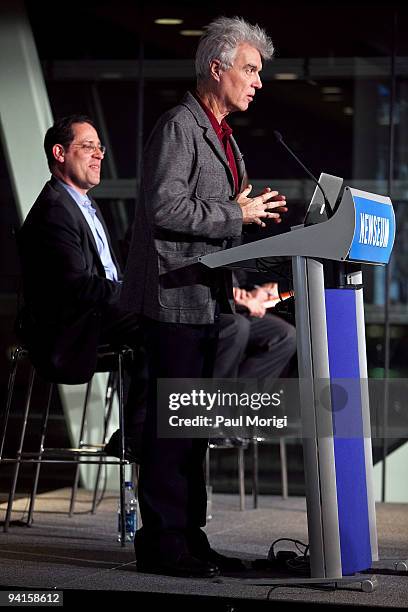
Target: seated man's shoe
[(220, 443), (240, 442), (185, 566), (231, 442), (132, 447)]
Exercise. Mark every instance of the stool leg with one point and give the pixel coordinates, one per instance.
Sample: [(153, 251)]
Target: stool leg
[(122, 458), (208, 487), (255, 466), (10, 388), (284, 467), (207, 467), (135, 475), (19, 452), (110, 394), (41, 450), (80, 444), (241, 478)]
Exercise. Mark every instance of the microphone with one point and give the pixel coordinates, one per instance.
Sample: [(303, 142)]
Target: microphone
[(279, 138)]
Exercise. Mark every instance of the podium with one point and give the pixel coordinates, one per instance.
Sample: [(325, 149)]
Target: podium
[(327, 253)]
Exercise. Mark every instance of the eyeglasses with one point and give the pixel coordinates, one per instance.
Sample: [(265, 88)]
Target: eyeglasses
[(90, 148)]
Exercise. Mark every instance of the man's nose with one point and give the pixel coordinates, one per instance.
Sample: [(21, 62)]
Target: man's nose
[(257, 82)]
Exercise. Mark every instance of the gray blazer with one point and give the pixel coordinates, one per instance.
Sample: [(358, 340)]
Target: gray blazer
[(186, 209)]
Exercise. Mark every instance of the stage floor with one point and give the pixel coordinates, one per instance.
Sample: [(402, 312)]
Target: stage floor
[(81, 553)]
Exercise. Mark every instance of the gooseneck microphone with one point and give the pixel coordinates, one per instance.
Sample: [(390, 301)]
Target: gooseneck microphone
[(279, 138)]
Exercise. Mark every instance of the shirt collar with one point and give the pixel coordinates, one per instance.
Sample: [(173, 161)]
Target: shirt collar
[(79, 198), (221, 129)]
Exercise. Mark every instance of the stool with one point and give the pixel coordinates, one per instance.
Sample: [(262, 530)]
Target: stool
[(255, 466), (111, 359), (240, 445)]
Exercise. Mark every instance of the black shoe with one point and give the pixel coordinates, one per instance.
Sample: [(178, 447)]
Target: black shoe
[(186, 566), (199, 546), (237, 442), (224, 563), (228, 442), (132, 447), (220, 443)]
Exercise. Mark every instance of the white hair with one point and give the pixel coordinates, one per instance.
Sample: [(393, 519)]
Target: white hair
[(221, 40)]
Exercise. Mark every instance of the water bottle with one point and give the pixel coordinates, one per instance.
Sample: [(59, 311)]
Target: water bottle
[(131, 512)]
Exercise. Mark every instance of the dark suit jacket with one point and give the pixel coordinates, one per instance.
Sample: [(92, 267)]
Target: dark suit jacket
[(186, 209), (64, 286)]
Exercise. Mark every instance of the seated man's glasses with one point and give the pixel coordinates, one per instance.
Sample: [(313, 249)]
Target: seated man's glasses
[(90, 147)]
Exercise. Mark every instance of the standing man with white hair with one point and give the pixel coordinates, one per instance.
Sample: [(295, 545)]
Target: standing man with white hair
[(194, 200)]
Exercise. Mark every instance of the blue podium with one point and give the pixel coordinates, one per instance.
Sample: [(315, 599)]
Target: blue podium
[(327, 253)]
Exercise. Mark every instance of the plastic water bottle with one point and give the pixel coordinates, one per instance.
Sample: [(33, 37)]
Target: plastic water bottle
[(131, 512)]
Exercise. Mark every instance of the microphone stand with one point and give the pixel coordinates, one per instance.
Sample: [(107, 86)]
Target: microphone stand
[(327, 204)]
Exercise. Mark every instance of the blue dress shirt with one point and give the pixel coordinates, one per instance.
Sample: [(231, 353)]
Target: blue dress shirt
[(96, 227)]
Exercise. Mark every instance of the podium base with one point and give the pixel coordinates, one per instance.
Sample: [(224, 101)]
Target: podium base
[(367, 584)]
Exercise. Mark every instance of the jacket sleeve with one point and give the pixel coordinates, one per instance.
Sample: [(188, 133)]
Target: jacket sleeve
[(171, 202)]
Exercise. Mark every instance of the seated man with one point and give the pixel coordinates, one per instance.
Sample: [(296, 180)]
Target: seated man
[(71, 277), (253, 342)]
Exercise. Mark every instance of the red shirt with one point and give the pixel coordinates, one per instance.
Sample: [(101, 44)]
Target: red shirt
[(223, 132)]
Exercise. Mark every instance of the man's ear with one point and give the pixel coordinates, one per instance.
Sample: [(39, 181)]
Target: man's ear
[(58, 153), (215, 69)]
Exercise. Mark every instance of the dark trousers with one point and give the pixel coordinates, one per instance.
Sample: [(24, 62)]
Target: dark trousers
[(252, 347), (172, 491)]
